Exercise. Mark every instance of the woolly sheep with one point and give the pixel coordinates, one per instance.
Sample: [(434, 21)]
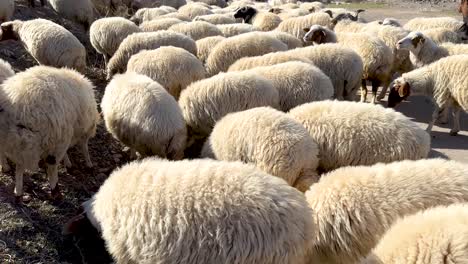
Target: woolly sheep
[(231, 49), (444, 80), (7, 8), (230, 30), (193, 10), (291, 41), (174, 68), (350, 144), (6, 71), (354, 206), (50, 44), (205, 102), (269, 139), (433, 236), (146, 40), (442, 35), (142, 115), (391, 22), (343, 65), (196, 30), (424, 50), (44, 111), (160, 24), (295, 25), (264, 21), (423, 23), (216, 19), (175, 15), (79, 11), (315, 6), (106, 34), (241, 213), (205, 45), (147, 14), (297, 83), (265, 60)]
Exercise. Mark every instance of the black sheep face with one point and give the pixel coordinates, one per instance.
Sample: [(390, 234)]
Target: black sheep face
[(246, 13)]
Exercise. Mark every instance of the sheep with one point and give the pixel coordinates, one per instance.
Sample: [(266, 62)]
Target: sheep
[(241, 213), (205, 102), (391, 22), (216, 19), (169, 5), (193, 10), (442, 35), (343, 65), (295, 25), (147, 14), (350, 144), (79, 11), (43, 112), (230, 30), (354, 206), (444, 80), (423, 23), (32, 3), (264, 21), (196, 30), (141, 114), (265, 60), (269, 139), (7, 8), (436, 235), (291, 41), (312, 6), (205, 45), (48, 43), (424, 50), (106, 34), (6, 71), (231, 49), (146, 40), (297, 83), (160, 24), (318, 34), (175, 15), (174, 68)]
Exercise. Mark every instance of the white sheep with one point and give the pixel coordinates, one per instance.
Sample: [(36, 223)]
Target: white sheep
[(442, 35), (231, 49), (343, 65), (241, 214), (423, 23), (353, 207), (206, 45), (7, 8), (291, 41), (269, 139), (142, 115), (350, 144), (196, 29), (297, 83), (50, 44), (159, 24), (148, 14), (174, 15), (264, 21), (265, 60), (43, 112), (436, 235), (6, 71), (391, 22), (295, 26), (230, 30), (79, 11), (106, 34), (216, 19), (312, 6), (174, 68), (194, 9), (205, 102), (137, 42), (424, 50), (444, 80)]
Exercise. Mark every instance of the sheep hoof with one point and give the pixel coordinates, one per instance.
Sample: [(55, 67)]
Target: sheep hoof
[(55, 194), (453, 133)]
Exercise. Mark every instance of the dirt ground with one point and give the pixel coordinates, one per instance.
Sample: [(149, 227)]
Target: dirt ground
[(32, 233)]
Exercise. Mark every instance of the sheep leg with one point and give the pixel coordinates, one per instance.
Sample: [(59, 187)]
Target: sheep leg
[(66, 161), (443, 116), (375, 88), (4, 167), (106, 60), (383, 92), (363, 91), (19, 183), (85, 152), (52, 161), (456, 122), (435, 114)]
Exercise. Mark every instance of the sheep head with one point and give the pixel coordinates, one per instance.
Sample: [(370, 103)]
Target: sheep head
[(315, 34), (412, 42), (9, 30), (400, 90), (246, 13)]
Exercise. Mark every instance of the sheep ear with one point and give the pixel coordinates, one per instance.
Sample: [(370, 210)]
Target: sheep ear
[(306, 29), (404, 90), (416, 40), (312, 10), (329, 12)]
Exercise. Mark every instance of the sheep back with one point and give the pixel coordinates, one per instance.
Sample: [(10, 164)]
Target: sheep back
[(196, 30)]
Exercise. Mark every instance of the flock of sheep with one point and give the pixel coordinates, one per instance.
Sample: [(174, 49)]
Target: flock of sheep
[(249, 145)]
